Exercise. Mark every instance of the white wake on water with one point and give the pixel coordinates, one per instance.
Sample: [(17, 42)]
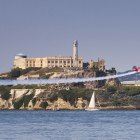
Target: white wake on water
[(60, 80)]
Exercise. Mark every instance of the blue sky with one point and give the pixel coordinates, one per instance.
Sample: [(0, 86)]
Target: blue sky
[(108, 29)]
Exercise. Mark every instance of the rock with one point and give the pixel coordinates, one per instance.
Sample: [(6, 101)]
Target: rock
[(113, 82), (80, 104), (60, 104), (5, 104)]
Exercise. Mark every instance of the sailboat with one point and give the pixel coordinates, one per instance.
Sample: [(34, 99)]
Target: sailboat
[(92, 105)]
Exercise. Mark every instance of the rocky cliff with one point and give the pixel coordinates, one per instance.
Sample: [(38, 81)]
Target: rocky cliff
[(39, 99)]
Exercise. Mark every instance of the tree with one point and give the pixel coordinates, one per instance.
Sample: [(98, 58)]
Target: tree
[(112, 71), (5, 92), (15, 73), (112, 89), (100, 73)]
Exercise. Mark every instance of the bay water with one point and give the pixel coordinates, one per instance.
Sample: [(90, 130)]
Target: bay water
[(69, 125)]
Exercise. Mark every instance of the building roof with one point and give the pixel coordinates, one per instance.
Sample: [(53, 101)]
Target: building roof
[(20, 54)]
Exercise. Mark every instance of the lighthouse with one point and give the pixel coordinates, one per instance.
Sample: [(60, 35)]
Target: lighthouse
[(75, 53)]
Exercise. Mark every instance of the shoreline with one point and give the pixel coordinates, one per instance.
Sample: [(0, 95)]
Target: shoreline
[(76, 109)]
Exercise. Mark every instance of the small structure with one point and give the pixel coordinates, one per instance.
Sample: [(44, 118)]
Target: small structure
[(100, 64), (131, 83)]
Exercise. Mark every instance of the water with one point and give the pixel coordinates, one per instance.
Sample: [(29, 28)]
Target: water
[(69, 125)]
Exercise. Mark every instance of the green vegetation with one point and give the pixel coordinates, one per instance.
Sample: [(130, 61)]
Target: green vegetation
[(25, 71), (98, 72), (72, 95), (30, 87), (44, 105), (16, 72), (27, 99), (130, 90), (34, 100), (5, 92), (47, 76), (111, 89), (111, 71), (107, 96), (120, 96), (18, 103), (24, 87), (23, 101)]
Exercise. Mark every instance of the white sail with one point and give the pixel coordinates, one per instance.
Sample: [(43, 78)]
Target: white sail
[(92, 104), (92, 101)]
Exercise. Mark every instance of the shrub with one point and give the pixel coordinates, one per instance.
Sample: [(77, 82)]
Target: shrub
[(111, 89), (15, 73), (5, 92), (75, 93), (18, 103), (44, 105), (27, 99), (52, 97), (34, 100)]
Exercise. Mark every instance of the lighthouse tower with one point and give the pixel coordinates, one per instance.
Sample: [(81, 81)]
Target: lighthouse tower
[(75, 53)]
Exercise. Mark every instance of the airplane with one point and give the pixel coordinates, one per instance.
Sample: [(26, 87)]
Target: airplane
[(137, 69)]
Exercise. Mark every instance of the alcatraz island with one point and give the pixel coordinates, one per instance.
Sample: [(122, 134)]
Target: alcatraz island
[(110, 94)]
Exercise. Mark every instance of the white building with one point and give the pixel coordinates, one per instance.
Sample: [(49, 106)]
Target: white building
[(21, 60)]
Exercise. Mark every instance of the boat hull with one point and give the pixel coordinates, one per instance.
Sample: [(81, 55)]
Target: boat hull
[(92, 109)]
